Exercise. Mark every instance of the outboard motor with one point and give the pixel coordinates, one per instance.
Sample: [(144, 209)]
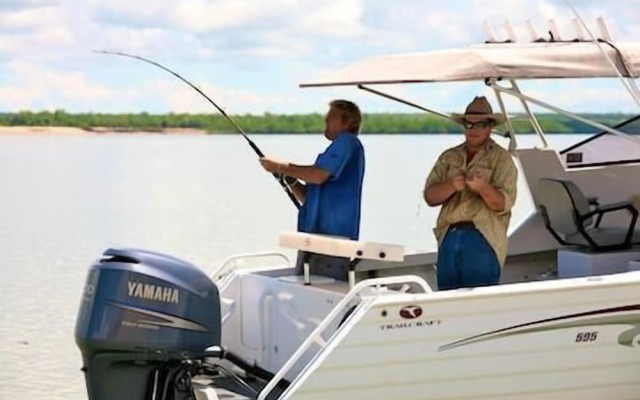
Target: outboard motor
[(142, 317)]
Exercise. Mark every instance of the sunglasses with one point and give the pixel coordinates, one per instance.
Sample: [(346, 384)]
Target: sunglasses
[(477, 124)]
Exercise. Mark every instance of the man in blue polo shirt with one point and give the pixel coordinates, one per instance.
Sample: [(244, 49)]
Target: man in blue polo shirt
[(330, 190)]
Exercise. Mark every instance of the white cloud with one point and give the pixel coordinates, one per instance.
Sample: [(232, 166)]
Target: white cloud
[(134, 14), (35, 83), (39, 33), (29, 19), (132, 40), (180, 98), (13, 5), (53, 36), (193, 16), (340, 19), (204, 16), (255, 42)]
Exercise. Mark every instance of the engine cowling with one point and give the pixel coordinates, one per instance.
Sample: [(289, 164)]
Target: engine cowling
[(143, 313)]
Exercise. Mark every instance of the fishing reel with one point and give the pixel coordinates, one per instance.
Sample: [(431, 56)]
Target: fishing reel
[(287, 180)]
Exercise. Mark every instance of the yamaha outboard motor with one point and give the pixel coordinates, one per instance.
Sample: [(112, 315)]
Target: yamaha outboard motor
[(143, 315)]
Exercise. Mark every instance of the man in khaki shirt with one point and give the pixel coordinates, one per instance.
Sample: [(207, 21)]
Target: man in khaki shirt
[(475, 183)]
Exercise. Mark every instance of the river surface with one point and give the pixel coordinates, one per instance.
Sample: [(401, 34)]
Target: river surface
[(202, 198)]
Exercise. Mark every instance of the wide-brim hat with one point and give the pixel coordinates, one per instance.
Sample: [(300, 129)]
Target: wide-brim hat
[(478, 108)]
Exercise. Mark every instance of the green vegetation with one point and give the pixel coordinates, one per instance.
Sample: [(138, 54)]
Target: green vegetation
[(273, 123)]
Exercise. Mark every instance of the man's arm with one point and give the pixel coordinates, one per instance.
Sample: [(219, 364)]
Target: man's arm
[(438, 193), (438, 188), (501, 194), (307, 173), (298, 173), (494, 199)]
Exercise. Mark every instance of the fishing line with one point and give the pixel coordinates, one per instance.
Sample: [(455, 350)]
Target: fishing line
[(255, 148)]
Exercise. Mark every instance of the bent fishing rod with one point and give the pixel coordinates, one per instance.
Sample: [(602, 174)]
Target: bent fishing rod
[(255, 148)]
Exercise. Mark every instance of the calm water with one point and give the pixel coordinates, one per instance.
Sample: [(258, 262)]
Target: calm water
[(65, 199)]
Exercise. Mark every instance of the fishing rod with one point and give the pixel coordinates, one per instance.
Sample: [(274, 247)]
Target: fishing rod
[(630, 84), (255, 148)]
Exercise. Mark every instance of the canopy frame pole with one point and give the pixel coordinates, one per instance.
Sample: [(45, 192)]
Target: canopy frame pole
[(399, 100), (532, 117), (406, 102), (533, 120), (561, 111), (513, 145)]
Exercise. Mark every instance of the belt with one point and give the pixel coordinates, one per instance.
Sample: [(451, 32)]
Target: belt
[(462, 225)]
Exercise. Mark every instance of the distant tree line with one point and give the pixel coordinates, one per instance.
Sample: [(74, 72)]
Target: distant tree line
[(275, 123)]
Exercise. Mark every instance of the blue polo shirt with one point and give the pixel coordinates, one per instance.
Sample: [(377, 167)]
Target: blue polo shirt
[(333, 208)]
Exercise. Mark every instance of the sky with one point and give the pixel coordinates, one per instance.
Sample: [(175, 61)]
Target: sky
[(249, 56)]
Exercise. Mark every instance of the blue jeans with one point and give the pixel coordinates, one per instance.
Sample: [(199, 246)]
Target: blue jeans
[(465, 259)]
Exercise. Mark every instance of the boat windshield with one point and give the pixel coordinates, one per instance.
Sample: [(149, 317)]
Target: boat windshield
[(606, 148)]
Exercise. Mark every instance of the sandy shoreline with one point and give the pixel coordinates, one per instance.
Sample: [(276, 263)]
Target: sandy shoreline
[(66, 130)]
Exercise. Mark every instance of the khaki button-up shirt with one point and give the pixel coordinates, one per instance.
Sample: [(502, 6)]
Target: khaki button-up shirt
[(495, 164)]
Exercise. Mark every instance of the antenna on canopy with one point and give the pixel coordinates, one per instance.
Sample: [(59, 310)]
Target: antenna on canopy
[(604, 30), (510, 32), (578, 28), (553, 30), (488, 30)]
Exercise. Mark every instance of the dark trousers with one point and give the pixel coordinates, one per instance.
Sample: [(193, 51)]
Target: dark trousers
[(323, 265), (465, 259)]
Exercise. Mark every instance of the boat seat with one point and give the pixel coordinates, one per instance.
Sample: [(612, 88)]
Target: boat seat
[(574, 219)]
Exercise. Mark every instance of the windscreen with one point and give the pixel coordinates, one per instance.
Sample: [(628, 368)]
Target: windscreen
[(606, 148)]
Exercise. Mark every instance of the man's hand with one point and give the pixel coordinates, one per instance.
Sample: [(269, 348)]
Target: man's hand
[(275, 167), (476, 182), (458, 182), (494, 199)]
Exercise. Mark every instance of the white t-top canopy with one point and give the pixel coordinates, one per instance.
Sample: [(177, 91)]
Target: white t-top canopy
[(495, 60)]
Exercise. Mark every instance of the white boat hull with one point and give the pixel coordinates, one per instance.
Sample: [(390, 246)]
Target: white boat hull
[(571, 339)]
